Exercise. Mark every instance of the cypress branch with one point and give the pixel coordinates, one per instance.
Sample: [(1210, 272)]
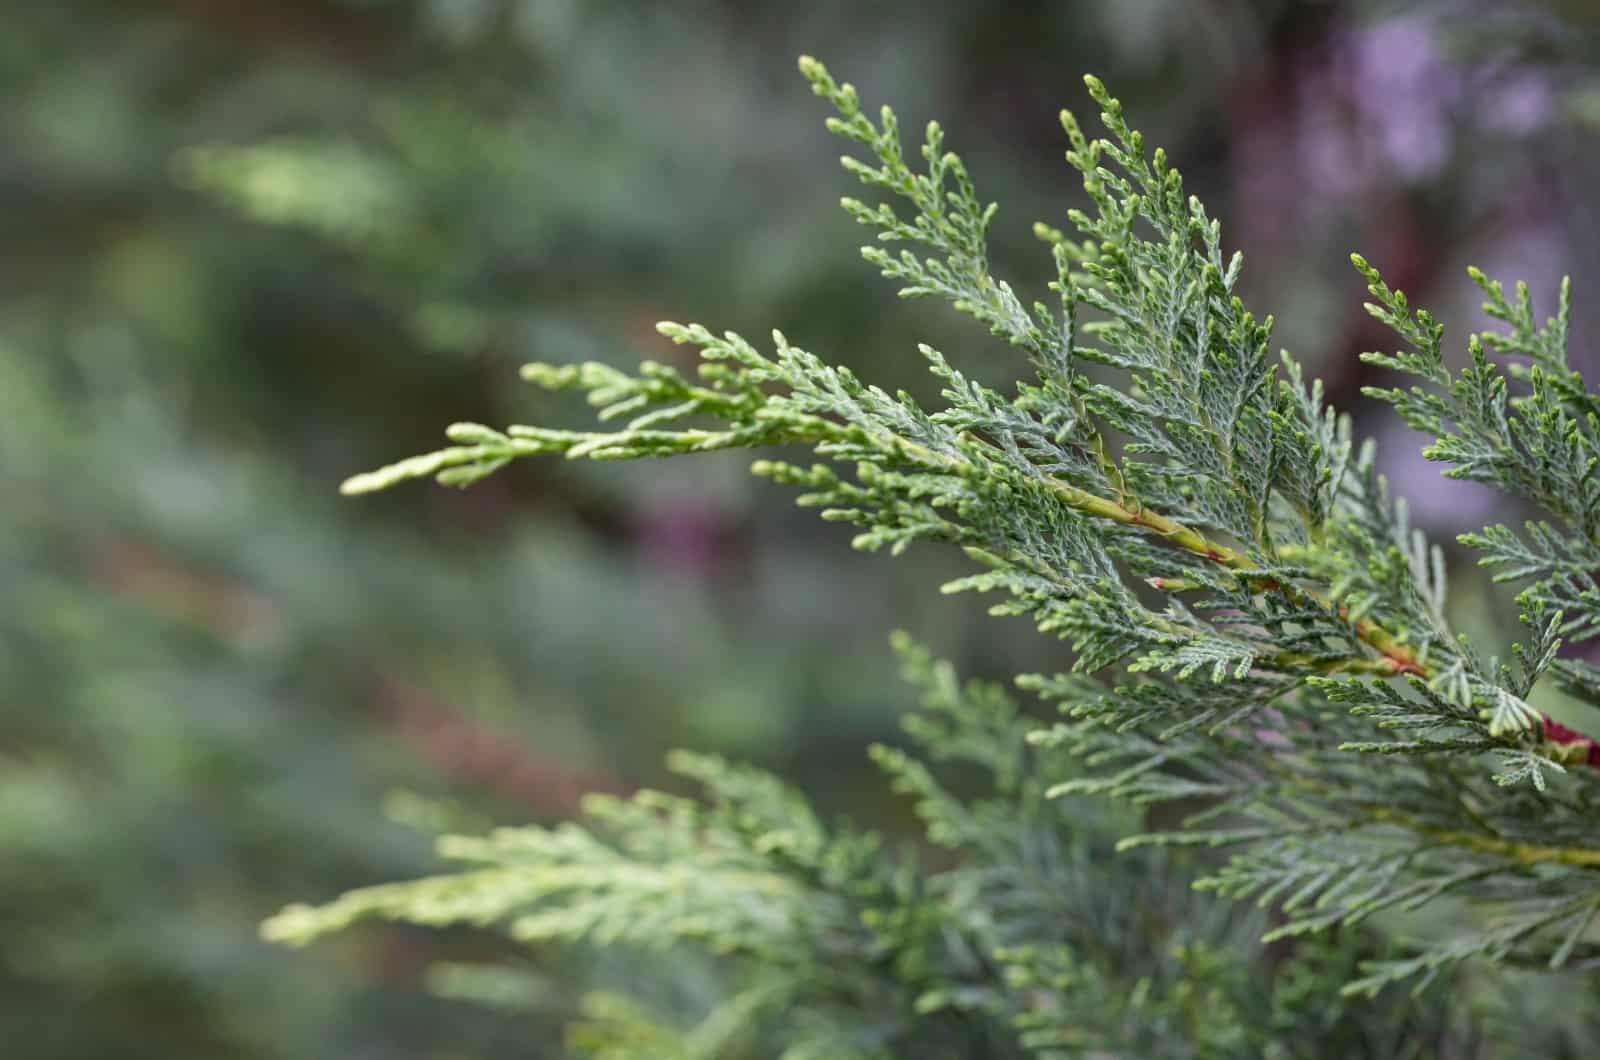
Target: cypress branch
[(1296, 695)]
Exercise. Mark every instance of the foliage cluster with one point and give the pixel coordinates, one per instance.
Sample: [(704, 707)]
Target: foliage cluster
[(1262, 666)]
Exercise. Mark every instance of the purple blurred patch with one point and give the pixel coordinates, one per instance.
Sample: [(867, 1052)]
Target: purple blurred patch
[(685, 535)]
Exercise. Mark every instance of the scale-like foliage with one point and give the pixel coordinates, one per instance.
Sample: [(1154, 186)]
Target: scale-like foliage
[(1038, 940), (1262, 658)]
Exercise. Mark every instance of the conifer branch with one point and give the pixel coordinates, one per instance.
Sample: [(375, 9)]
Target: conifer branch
[(1297, 693)]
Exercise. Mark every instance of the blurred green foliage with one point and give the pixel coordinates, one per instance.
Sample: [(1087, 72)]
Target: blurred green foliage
[(252, 247)]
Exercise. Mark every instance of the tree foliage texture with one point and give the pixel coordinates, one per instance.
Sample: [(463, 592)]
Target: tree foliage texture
[(1273, 755)]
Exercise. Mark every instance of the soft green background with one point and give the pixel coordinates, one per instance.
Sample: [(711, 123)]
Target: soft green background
[(252, 247)]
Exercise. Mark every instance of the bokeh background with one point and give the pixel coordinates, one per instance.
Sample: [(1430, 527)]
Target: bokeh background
[(249, 247)]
